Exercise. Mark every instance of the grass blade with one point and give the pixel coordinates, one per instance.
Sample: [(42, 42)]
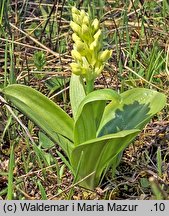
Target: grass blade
[(10, 173)]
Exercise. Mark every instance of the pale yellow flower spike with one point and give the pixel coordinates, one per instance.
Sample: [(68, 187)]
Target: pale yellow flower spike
[(87, 51)]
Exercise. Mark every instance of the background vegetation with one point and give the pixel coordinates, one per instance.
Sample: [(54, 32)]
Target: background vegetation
[(35, 45)]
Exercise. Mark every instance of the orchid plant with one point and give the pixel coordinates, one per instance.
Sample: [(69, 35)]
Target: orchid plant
[(104, 122)]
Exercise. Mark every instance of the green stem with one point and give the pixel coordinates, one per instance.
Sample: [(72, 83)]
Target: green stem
[(10, 173), (89, 86)]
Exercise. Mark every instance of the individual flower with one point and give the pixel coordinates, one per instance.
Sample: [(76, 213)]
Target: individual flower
[(95, 24), (76, 68), (76, 55), (75, 27), (105, 55)]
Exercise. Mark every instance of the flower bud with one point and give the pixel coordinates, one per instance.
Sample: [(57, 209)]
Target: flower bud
[(75, 27), (82, 14), (97, 35), (76, 69), (76, 18), (93, 45), (75, 11), (98, 70), (85, 66), (85, 29), (93, 60), (75, 37), (95, 24), (76, 55), (79, 45), (85, 63), (105, 55), (86, 20)]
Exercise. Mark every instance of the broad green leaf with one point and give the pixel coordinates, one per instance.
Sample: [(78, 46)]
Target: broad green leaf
[(98, 109), (45, 113), (135, 110), (77, 92), (89, 114), (96, 154)]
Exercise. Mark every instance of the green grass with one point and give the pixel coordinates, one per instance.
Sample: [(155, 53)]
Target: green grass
[(138, 36)]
